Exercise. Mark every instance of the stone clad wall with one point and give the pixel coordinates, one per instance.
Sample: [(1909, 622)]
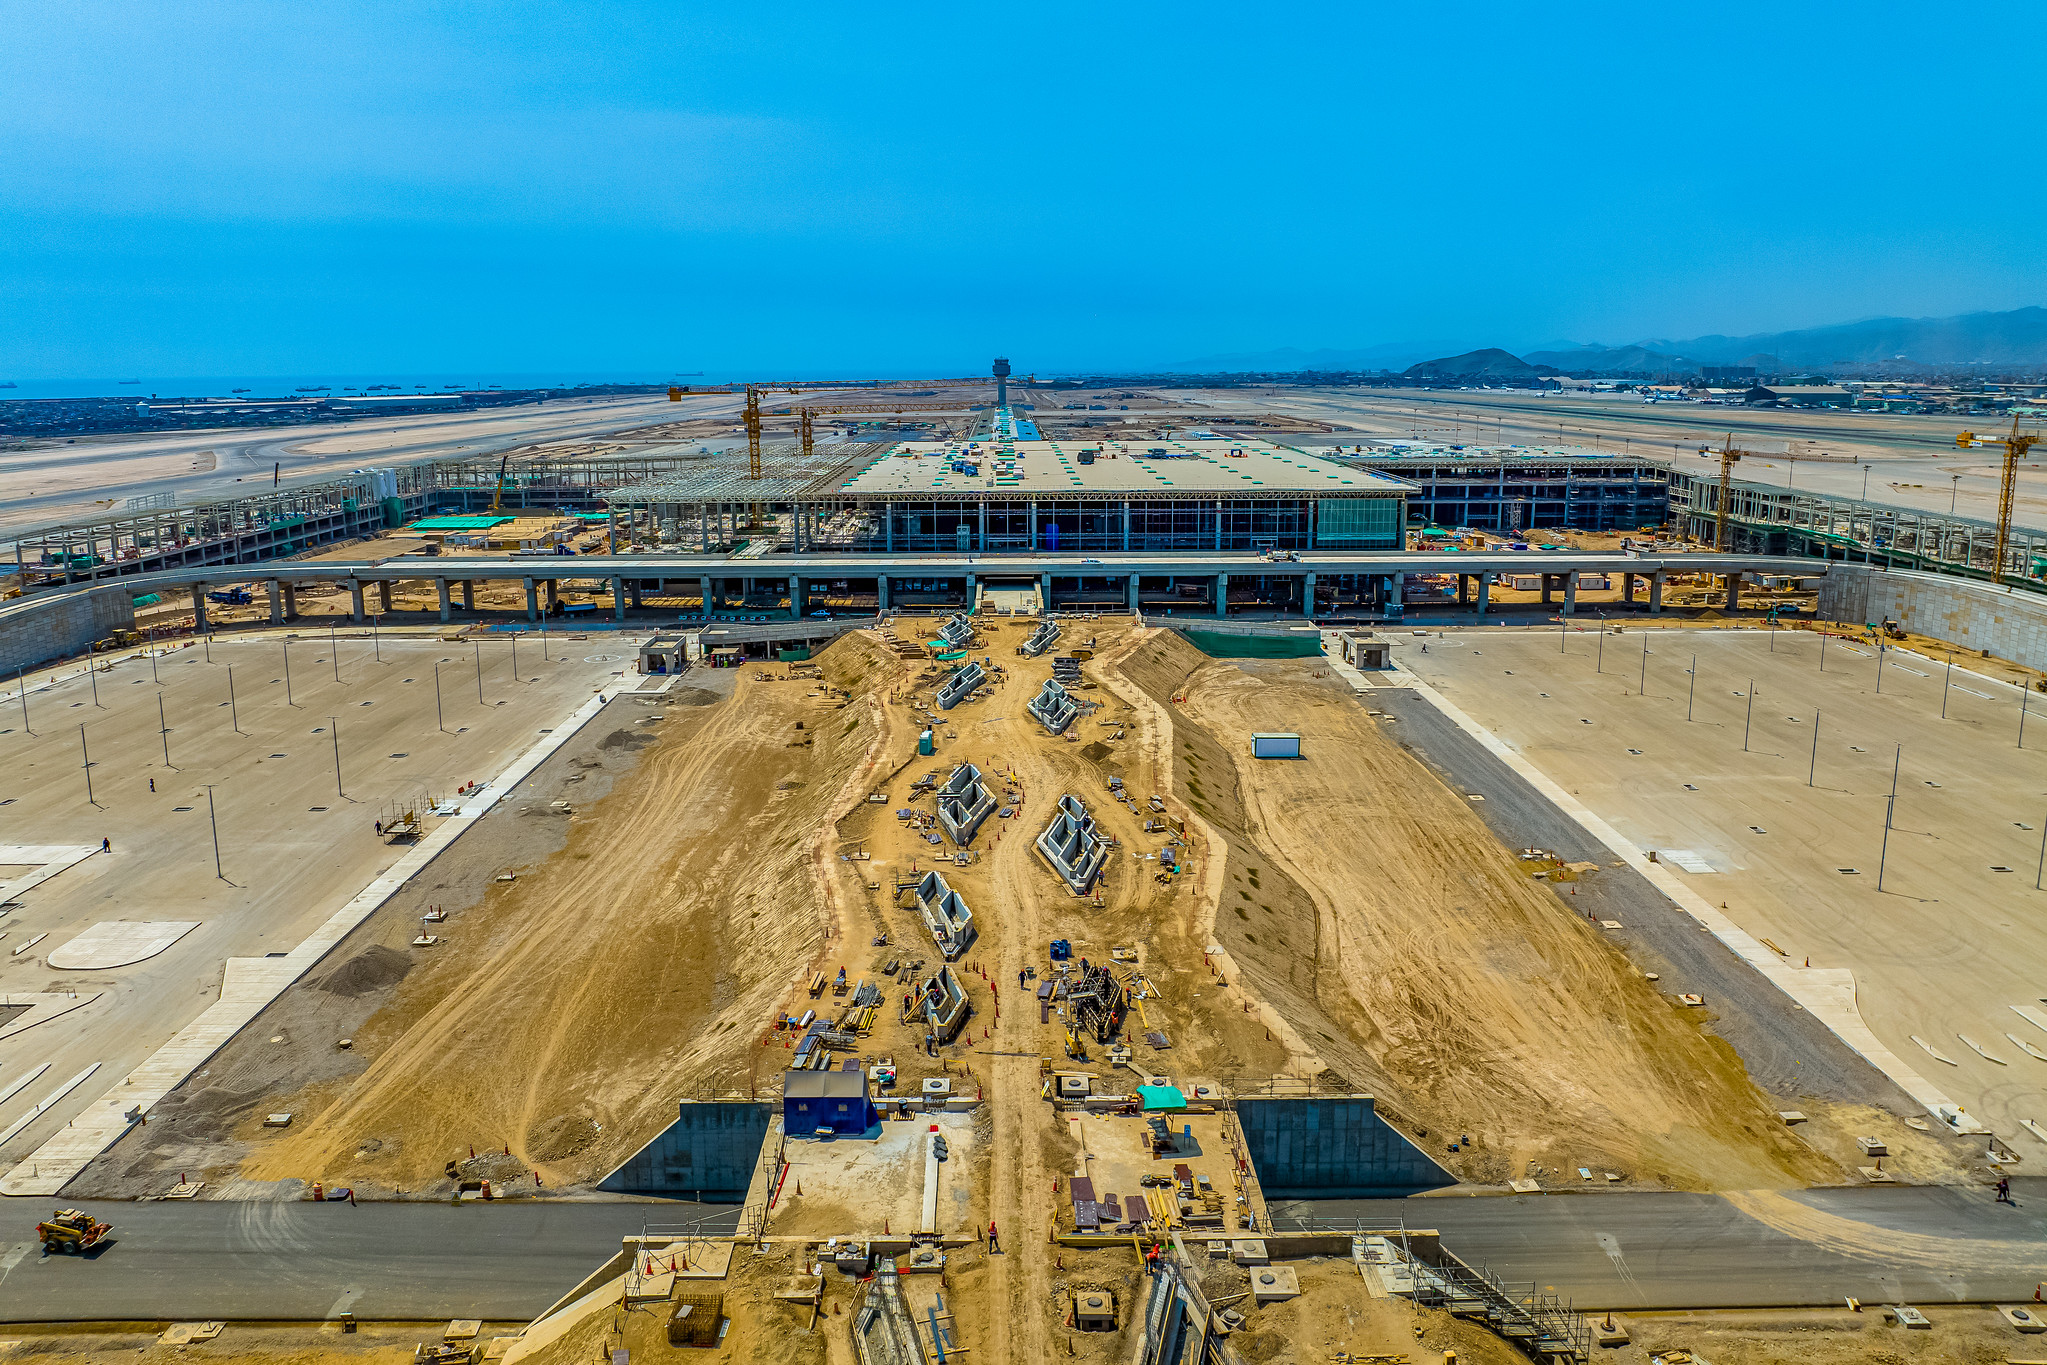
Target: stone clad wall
[(61, 625), (2009, 622)]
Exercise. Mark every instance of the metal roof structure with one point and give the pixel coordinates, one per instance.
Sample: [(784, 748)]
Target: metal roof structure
[(1158, 469)]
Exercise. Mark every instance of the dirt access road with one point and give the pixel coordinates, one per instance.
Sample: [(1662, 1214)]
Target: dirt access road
[(623, 973)]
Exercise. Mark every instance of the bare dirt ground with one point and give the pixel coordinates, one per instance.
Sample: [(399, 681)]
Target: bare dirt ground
[(630, 969), (1413, 956)]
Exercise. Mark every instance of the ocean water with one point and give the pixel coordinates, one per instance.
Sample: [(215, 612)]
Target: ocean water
[(166, 388)]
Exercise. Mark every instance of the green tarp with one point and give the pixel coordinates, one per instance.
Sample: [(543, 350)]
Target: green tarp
[(1161, 1097)]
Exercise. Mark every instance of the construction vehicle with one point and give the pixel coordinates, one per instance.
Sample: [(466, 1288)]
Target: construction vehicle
[(497, 497), (231, 597), (1894, 630), (2015, 447), (71, 1230)]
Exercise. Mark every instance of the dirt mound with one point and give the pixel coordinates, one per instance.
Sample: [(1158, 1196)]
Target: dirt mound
[(690, 696), (631, 967), (372, 969), (561, 1137), (1095, 752), (1423, 963)]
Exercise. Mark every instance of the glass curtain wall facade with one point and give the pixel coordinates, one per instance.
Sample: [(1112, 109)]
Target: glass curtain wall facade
[(1021, 525)]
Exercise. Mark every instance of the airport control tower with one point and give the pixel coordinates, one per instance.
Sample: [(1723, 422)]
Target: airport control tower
[(1001, 381)]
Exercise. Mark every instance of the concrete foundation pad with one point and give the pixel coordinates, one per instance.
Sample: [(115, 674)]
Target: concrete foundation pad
[(118, 943), (42, 1008)]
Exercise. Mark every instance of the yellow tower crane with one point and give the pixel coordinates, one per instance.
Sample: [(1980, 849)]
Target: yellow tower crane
[(1728, 455), (2015, 447)]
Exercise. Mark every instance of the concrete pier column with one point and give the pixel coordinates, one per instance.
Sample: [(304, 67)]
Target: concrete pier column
[(291, 602), (532, 600), (1570, 592), (1463, 589), (1485, 594), (469, 594), (795, 596), (442, 584), (199, 606), (618, 597), (1397, 594), (1733, 590), (1222, 594), (1548, 583), (554, 596), (881, 593), (355, 604), (633, 592), (1628, 588), (1045, 591), (1656, 593), (704, 591), (384, 595), (1131, 583), (1308, 594)]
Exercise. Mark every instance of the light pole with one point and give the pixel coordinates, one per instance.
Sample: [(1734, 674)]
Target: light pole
[(1692, 690), (334, 731), (1865, 481), (334, 647), (87, 755), (234, 714), (287, 675), (214, 821), (1815, 766), (1890, 806), (92, 671), (1946, 681), (1954, 492), (163, 729), (1750, 717), (479, 675), (21, 690), (440, 722), (1643, 685)]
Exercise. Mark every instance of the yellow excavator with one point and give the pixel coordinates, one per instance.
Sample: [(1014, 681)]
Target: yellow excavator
[(71, 1230)]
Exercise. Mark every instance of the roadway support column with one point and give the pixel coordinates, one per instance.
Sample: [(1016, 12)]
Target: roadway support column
[(1464, 590), (633, 592), (881, 606), (1570, 592), (1222, 594), (442, 584), (1628, 588), (1399, 593), (795, 596), (554, 596), (199, 606), (704, 590), (384, 595), (1733, 591), (1485, 591), (1132, 593), (1045, 592), (469, 594), (618, 597), (1656, 593), (532, 600), (291, 602), (1548, 586), (355, 604), (1308, 594)]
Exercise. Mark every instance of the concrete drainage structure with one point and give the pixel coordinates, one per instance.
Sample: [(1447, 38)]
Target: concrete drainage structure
[(1072, 846), (1052, 708), (958, 631), (945, 915), (963, 803), (943, 1003), (960, 686), (1041, 639)]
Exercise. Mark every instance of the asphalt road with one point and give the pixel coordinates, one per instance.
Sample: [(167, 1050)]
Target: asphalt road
[(297, 1261), (1659, 1250), (1786, 1050)]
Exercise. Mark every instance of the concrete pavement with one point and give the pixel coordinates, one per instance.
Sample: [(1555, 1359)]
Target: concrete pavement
[(174, 1259)]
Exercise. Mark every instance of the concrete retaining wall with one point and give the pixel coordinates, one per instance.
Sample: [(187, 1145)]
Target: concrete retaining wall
[(1332, 1148), (64, 625), (2009, 622), (708, 1154)]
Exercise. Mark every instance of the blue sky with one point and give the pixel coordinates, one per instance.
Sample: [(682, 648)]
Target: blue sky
[(266, 188)]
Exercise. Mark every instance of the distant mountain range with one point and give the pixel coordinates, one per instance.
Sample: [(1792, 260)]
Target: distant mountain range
[(2014, 338)]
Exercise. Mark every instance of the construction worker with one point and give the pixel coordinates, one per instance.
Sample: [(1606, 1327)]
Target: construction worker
[(2004, 1191)]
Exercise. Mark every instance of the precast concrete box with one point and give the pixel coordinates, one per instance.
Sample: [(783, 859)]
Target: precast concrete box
[(1275, 745)]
